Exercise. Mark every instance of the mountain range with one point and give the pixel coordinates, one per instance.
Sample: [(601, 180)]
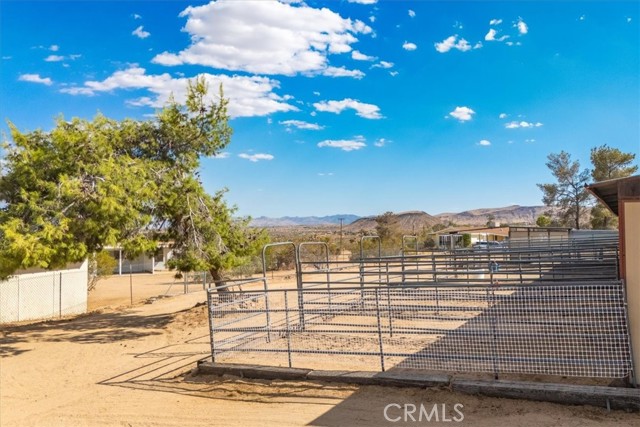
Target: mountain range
[(414, 220)]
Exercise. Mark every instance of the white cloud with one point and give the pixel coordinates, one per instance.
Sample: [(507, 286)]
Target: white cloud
[(140, 32), (628, 19), (267, 38), (354, 144), (452, 42), (409, 46), (316, 93), (381, 142), (248, 95), (495, 22), (223, 155), (368, 111), (458, 25), (35, 78), (363, 1), (503, 115), (255, 157), (54, 58), (342, 72), (529, 140), (582, 18), (484, 143), (383, 64), (412, 13), (393, 73), (513, 44), (136, 16), (372, 19), (301, 125), (7, 57), (462, 113), (358, 56), (522, 124), (54, 48), (522, 27), (325, 173), (491, 36)]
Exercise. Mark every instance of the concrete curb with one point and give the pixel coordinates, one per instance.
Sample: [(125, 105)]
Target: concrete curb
[(606, 397)]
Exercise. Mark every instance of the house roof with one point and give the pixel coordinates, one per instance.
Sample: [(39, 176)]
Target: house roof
[(610, 191), (498, 231)]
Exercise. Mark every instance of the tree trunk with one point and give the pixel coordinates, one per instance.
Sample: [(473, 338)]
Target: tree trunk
[(220, 284)]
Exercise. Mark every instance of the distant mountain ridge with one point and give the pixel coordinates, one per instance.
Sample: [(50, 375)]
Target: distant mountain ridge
[(514, 214), (407, 221), (292, 221), (414, 220)]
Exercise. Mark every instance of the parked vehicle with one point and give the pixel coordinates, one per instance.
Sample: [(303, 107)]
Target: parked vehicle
[(483, 245)]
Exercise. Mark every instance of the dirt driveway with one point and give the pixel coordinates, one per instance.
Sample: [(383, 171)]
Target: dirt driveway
[(130, 368)]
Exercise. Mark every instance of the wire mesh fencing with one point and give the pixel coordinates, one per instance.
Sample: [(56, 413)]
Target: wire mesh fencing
[(569, 329), (43, 295)]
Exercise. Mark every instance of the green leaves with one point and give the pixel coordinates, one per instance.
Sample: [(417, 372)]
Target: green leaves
[(88, 184)]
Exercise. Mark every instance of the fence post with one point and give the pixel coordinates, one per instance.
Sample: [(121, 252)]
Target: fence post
[(211, 332), (286, 313), (60, 296), (379, 328), (494, 322), (18, 311), (130, 283), (389, 312)]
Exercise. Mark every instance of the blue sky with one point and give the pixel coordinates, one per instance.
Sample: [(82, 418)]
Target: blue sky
[(354, 106)]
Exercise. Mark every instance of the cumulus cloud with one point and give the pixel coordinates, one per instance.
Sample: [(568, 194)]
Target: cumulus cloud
[(248, 95), (495, 22), (412, 13), (409, 46), (267, 38), (522, 124), (381, 142), (503, 115), (35, 78), (491, 36), (301, 125), (140, 32), (484, 142), (452, 42), (358, 56), (521, 26), (463, 114), (383, 64), (367, 111), (54, 48), (255, 157), (354, 144), (54, 58)]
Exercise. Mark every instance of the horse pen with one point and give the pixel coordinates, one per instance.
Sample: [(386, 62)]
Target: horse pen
[(549, 312)]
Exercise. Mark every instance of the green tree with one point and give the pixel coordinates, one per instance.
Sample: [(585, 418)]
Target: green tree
[(568, 195), (608, 163), (466, 240), (88, 184), (543, 221), (385, 227), (101, 266)]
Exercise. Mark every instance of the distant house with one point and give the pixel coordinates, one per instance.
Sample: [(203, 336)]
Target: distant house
[(143, 263), (450, 238)]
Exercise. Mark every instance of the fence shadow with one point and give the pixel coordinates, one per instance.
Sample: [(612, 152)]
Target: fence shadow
[(92, 328)]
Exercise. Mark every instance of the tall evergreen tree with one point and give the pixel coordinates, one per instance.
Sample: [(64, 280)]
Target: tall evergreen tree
[(88, 184), (568, 195)]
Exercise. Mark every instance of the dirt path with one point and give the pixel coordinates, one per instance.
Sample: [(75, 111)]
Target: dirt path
[(128, 368)]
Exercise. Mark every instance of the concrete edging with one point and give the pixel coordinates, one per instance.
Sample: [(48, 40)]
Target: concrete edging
[(607, 397)]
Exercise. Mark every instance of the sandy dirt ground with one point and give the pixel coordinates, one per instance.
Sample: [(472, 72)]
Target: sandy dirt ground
[(132, 368)]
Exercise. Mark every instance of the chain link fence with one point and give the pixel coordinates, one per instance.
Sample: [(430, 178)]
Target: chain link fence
[(43, 295)]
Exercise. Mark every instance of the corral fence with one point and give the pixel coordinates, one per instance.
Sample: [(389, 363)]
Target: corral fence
[(544, 311)]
